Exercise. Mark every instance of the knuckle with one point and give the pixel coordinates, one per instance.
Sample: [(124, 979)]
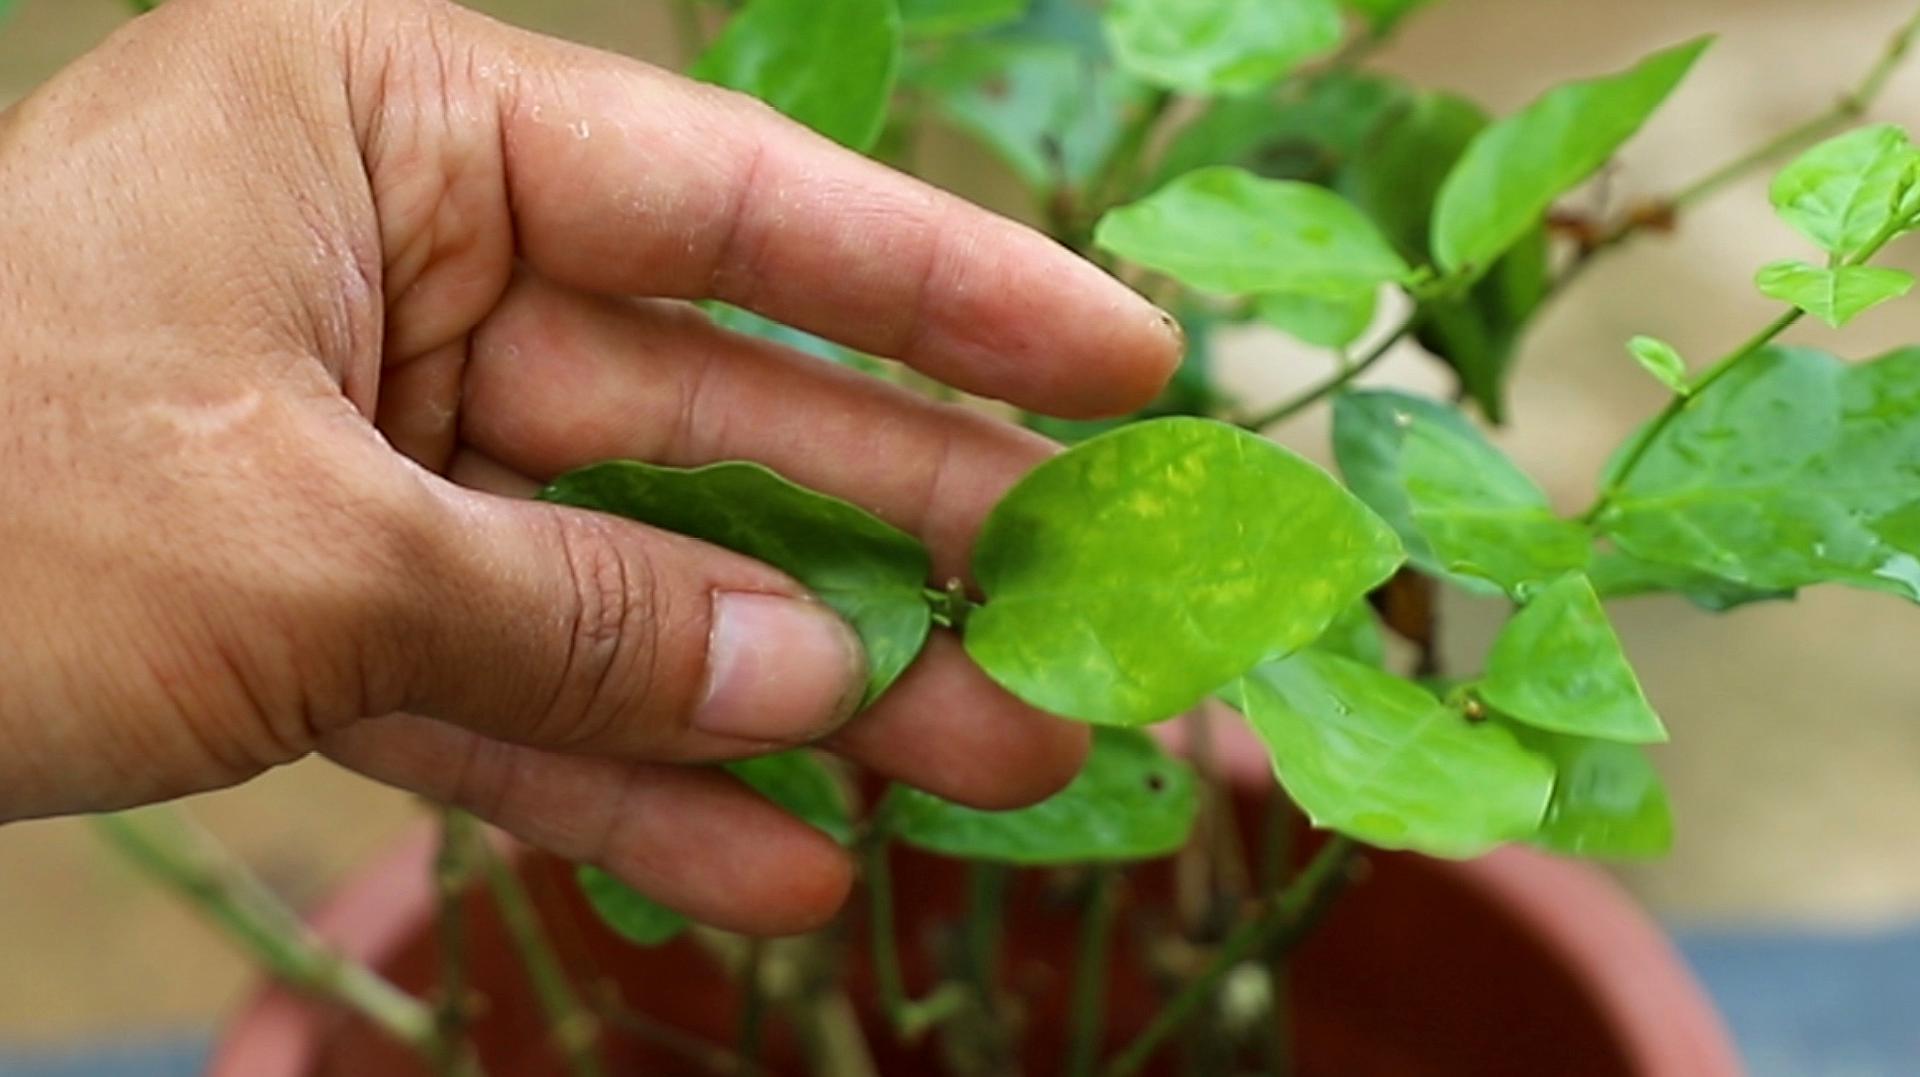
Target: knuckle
[(612, 645)]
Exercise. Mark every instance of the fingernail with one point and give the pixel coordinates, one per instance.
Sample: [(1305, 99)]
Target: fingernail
[(781, 670)]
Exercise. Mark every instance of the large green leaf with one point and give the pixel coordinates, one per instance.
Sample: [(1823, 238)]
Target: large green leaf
[(631, 914), (871, 573), (1607, 799), (1792, 469), (798, 782), (933, 18), (1846, 191), (1557, 665), (1130, 802), (828, 63), (1375, 757), (1306, 131), (1514, 169), (1832, 294), (1226, 231), (1209, 47), (1328, 321), (1464, 511), (1355, 634), (1395, 174), (1617, 574), (1141, 570), (1050, 108)]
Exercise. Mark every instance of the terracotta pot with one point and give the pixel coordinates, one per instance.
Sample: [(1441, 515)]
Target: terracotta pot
[(1516, 963)]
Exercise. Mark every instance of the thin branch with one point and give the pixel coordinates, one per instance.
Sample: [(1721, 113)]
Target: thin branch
[(574, 1028), (1294, 913), (177, 853), (1088, 1014), (455, 868), (1291, 407)]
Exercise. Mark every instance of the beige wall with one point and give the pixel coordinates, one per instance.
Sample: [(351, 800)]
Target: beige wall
[(1795, 765)]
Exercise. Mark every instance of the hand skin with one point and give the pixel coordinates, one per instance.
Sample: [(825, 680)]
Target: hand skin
[(298, 298)]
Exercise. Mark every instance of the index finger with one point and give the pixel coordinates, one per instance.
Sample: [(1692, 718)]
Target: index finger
[(625, 179)]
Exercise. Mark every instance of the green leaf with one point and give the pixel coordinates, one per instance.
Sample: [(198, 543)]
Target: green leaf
[(1792, 469), (1557, 665), (1833, 295), (631, 914), (1304, 132), (1478, 334), (798, 782), (1049, 108), (1374, 757), (1844, 192), (1482, 515), (1355, 635), (870, 572), (747, 323), (1229, 232), (1327, 321), (1513, 170), (1116, 592), (1383, 15), (1209, 47), (1130, 802), (1191, 391), (937, 18), (1464, 511), (1607, 799), (1616, 574), (829, 64), (1658, 358)]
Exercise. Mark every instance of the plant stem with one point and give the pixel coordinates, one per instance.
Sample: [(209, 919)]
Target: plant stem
[(1290, 408), (454, 870), (711, 1057), (753, 1010), (1292, 914), (911, 1018), (1088, 1020), (181, 856), (1851, 106), (574, 1028)]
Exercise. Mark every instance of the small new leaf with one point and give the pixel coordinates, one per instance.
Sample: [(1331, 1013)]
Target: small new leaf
[(1844, 192), (1130, 802), (1375, 757), (1513, 170), (1836, 294), (1114, 594), (1209, 47), (1660, 359), (1226, 231), (870, 572), (1557, 665), (829, 64)]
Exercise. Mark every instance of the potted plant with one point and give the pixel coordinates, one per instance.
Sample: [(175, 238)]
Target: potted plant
[(1182, 572)]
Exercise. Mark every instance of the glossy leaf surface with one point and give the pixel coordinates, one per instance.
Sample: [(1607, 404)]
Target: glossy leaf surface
[(1130, 802), (1607, 802), (1793, 469), (1513, 170), (870, 572), (1209, 47), (1131, 576), (829, 64), (1226, 231), (1845, 192), (1380, 759), (1835, 294), (1557, 665), (798, 782)]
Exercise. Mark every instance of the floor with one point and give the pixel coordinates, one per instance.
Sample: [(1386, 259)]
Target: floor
[(1795, 766)]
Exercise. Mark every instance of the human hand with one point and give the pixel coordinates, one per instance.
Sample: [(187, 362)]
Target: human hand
[(296, 295)]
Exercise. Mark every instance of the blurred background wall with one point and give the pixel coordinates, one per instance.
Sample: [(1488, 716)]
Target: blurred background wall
[(1795, 762)]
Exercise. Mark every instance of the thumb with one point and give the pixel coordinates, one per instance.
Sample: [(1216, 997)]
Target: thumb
[(568, 629)]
